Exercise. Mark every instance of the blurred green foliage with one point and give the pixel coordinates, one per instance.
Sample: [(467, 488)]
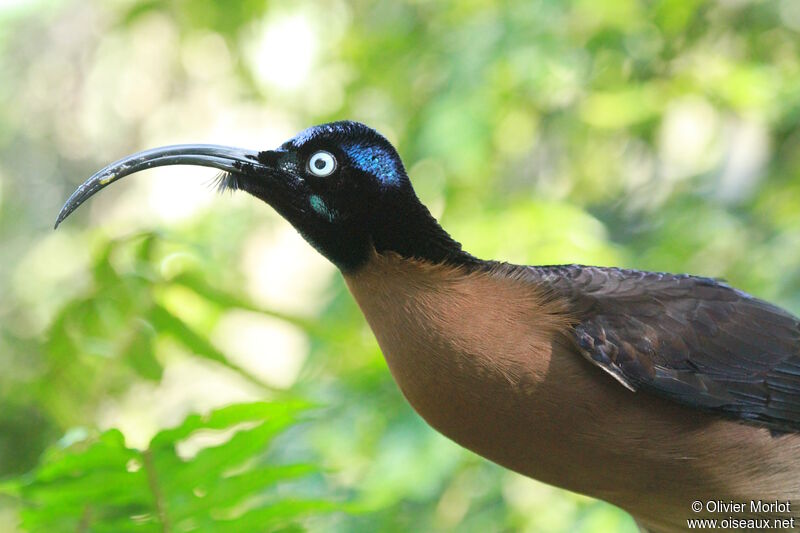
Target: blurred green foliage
[(660, 135), (99, 484)]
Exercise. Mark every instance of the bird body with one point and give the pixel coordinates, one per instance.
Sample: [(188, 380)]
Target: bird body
[(651, 391), (484, 356)]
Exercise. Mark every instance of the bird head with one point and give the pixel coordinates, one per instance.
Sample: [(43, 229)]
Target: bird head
[(342, 185)]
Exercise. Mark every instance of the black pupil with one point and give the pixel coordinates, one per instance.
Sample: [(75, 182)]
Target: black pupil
[(320, 163)]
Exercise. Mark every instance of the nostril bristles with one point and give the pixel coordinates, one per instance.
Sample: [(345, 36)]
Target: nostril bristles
[(225, 181)]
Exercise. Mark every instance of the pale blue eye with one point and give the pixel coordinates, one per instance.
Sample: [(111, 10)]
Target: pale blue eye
[(322, 164)]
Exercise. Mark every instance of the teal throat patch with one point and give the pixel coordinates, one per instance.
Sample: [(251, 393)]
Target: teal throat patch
[(319, 205)]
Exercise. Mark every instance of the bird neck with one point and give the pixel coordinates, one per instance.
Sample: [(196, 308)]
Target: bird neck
[(413, 233)]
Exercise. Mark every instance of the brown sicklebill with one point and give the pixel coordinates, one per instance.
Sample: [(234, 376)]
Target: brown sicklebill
[(651, 391)]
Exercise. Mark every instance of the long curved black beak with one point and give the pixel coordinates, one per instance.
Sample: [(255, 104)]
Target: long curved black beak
[(229, 159)]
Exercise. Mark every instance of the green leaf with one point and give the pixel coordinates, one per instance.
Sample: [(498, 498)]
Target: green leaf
[(269, 517), (229, 416), (227, 301), (140, 351), (100, 484), (168, 324)]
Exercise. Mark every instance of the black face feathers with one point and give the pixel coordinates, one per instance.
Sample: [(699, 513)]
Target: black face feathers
[(366, 202)]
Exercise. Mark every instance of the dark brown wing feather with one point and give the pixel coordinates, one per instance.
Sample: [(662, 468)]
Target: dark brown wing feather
[(695, 340)]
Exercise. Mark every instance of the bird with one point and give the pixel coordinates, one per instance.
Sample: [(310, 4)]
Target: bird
[(651, 391)]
